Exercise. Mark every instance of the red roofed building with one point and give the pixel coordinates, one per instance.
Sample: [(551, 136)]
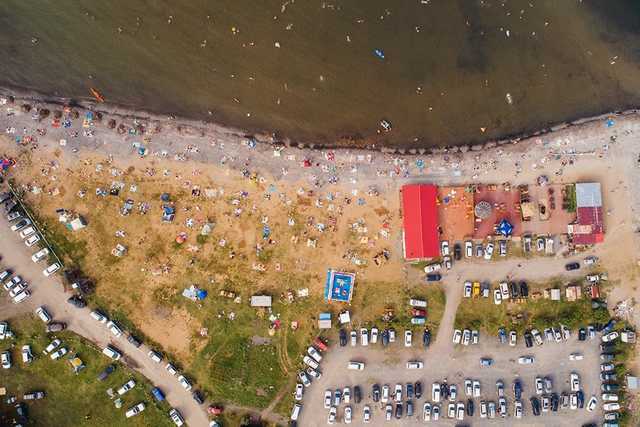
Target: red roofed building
[(420, 222), (589, 226)]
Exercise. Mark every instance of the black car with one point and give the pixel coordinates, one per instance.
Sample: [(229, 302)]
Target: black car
[(555, 400), (134, 341), (107, 371), (470, 408), (426, 338), (607, 357), (444, 391), (434, 277), (517, 389), (385, 337), (580, 396), (409, 408), (398, 410), (535, 406), (5, 196), (582, 334), (515, 290), (605, 347), (375, 392), (21, 410), (198, 397), (343, 337), (609, 388), (457, 252), (357, 394), (418, 389), (572, 266), (409, 390), (524, 290), (77, 301), (528, 339)]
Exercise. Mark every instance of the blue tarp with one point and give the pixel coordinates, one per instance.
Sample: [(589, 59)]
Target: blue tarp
[(201, 294)]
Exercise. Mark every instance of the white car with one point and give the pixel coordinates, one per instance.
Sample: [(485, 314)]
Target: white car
[(517, 409), (364, 337), (466, 337), (155, 356), (21, 296), (52, 346), (58, 353), (513, 338), (327, 399), (51, 269), (347, 415), (355, 366), (27, 232), (297, 395), (20, 224), (366, 414), (426, 412), (435, 392), (43, 314), (609, 397), (114, 328), (354, 338), (408, 336), (99, 316), (32, 240), (468, 249), (576, 356), (574, 381), (171, 369), (504, 290), (126, 387), (346, 395), (385, 393), (611, 336), (526, 360), (536, 336), (310, 362), (4, 330), (311, 351), (590, 260), (415, 364), (27, 356), (185, 383), (444, 248), (497, 297), (40, 255), (467, 289), (591, 404), (176, 417), (397, 395), (457, 336), (332, 415), (432, 268), (18, 289), (5, 359), (488, 251), (135, 410), (476, 388), (613, 406), (374, 335), (112, 353), (539, 386)]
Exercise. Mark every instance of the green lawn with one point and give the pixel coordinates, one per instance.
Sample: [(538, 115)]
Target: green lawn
[(483, 314), (72, 400)]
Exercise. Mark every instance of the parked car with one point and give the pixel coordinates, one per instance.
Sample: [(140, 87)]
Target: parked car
[(135, 410), (43, 314), (27, 356), (444, 248), (591, 405), (51, 269), (186, 384), (526, 360), (40, 255), (572, 266), (488, 252), (20, 224), (408, 338), (32, 240), (457, 251), (486, 361), (176, 417), (198, 397), (77, 301), (112, 352), (468, 249), (56, 327), (106, 372), (99, 316), (5, 360), (610, 337), (114, 328), (126, 387), (535, 406), (434, 277), (432, 268), (134, 341), (34, 395), (58, 353)]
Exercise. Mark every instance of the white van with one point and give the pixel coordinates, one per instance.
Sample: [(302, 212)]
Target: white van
[(355, 366), (112, 353), (417, 303), (43, 314), (21, 297), (95, 314), (296, 411)]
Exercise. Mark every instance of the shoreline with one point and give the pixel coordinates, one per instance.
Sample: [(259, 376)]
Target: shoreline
[(205, 128)]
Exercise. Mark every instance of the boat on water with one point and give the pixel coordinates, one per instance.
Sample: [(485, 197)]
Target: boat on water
[(97, 95)]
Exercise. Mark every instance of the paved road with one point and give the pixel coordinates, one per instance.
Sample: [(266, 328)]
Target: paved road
[(49, 292)]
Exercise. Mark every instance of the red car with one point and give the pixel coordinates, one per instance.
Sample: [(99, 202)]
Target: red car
[(320, 344), (418, 312), (214, 410)]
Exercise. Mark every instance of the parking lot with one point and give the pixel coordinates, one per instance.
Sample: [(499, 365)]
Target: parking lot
[(388, 366)]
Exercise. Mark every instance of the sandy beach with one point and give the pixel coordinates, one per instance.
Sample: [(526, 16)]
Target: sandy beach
[(273, 182)]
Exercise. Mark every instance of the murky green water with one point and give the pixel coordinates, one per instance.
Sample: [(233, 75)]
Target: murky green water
[(448, 67)]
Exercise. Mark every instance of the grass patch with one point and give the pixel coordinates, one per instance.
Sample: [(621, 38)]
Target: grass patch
[(483, 314), (72, 399)]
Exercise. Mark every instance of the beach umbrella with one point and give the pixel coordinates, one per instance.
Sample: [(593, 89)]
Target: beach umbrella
[(505, 228)]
